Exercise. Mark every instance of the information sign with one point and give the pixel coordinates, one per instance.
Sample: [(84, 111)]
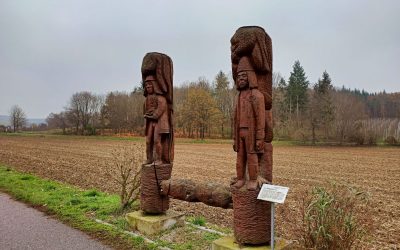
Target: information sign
[(273, 193)]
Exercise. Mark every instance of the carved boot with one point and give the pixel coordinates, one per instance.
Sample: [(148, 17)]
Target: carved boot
[(239, 183), (240, 177), (252, 183)]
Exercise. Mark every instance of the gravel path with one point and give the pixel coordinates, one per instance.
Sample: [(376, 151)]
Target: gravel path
[(22, 227)]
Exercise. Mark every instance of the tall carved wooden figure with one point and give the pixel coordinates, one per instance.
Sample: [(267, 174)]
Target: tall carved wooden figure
[(251, 56), (157, 76)]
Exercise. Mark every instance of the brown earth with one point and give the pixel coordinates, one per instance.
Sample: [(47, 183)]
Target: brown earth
[(84, 162)]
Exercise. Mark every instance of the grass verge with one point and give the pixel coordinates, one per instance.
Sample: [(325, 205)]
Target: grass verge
[(73, 206), (79, 209)]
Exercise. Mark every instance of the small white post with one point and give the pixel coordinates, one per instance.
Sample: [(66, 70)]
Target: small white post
[(272, 224), (273, 194)]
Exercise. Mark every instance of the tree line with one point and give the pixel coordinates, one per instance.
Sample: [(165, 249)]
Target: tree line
[(304, 111), (319, 112)]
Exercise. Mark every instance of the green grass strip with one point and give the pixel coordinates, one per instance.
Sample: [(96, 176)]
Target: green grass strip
[(73, 206)]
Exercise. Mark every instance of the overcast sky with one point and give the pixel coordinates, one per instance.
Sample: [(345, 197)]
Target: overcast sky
[(51, 49)]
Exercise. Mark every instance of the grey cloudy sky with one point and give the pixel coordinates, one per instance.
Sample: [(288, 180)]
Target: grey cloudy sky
[(51, 49)]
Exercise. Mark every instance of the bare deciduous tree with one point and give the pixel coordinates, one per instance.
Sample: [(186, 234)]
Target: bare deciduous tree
[(126, 172), (58, 121), (276, 79), (116, 110), (83, 109), (224, 97), (199, 112), (17, 118), (136, 121), (348, 110)]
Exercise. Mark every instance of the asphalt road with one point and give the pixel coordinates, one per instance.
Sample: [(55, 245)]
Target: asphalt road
[(22, 227)]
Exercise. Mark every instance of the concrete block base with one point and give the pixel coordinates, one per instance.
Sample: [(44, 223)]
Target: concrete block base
[(228, 243), (150, 224)]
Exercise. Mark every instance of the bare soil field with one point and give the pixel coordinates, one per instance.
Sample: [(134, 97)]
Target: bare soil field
[(84, 162)]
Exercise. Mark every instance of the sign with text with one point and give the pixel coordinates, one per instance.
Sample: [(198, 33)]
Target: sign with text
[(273, 193)]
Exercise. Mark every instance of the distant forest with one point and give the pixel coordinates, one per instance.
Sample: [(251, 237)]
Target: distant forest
[(302, 111)]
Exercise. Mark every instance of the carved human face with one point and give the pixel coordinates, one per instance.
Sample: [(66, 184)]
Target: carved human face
[(149, 87), (242, 80)]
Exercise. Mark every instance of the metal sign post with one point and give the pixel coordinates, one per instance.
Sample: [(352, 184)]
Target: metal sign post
[(273, 194), (272, 225)]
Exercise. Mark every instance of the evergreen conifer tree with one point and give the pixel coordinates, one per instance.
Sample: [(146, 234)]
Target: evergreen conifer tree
[(322, 108), (296, 94)]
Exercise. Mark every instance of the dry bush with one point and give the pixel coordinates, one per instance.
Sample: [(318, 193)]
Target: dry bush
[(126, 172), (391, 140), (334, 218)]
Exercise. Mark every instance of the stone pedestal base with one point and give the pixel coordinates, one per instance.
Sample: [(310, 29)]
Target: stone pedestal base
[(228, 243), (251, 217), (154, 224), (151, 200)]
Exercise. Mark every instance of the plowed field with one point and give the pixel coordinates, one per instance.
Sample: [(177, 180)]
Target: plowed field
[(84, 162)]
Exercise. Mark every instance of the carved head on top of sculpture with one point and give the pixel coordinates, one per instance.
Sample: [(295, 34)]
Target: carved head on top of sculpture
[(255, 44), (159, 67), (246, 77), (151, 86)]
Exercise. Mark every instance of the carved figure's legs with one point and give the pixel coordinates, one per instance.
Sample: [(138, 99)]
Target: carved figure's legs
[(243, 158), (165, 142), (149, 143), (241, 164), (158, 146), (252, 165)]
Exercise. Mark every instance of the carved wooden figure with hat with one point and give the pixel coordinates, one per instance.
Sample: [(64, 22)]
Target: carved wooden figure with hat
[(249, 125)]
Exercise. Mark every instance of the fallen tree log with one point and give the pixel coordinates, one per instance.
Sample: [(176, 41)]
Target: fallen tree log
[(212, 194)]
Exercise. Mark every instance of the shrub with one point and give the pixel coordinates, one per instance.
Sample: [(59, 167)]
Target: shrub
[(126, 172), (371, 139), (356, 134), (91, 193), (334, 218), (27, 178), (75, 201), (198, 220), (391, 140)]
